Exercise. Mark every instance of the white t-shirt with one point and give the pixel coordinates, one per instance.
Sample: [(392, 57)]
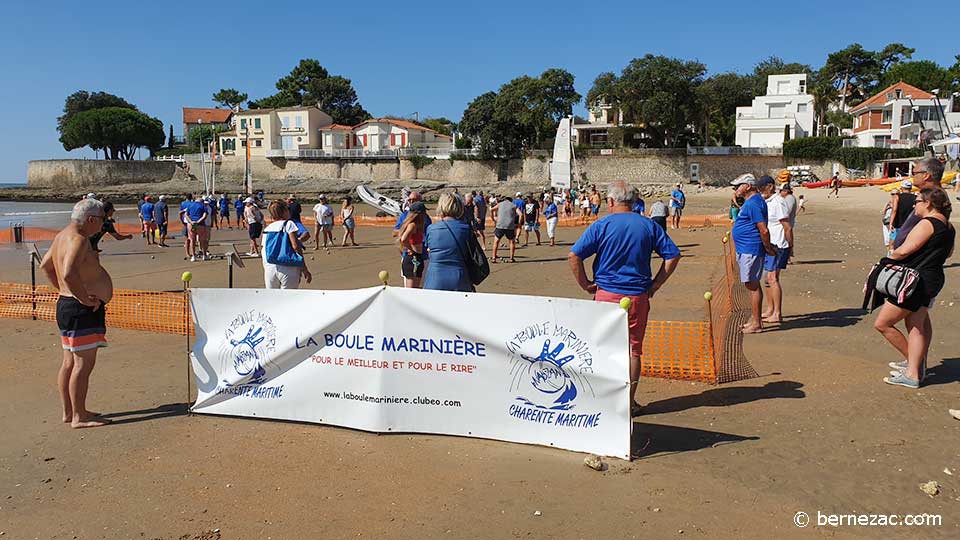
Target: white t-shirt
[(777, 210), (286, 226), (324, 214)]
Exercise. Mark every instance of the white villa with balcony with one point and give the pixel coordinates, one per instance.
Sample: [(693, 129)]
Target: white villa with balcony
[(895, 117), (786, 106)]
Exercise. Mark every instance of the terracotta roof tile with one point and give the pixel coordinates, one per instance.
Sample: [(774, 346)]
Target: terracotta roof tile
[(399, 123), (191, 115), (881, 97), (336, 126)]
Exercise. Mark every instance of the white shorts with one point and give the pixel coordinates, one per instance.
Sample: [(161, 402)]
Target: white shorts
[(552, 227), (281, 277)]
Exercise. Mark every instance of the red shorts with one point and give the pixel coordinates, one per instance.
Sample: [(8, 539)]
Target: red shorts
[(637, 316)]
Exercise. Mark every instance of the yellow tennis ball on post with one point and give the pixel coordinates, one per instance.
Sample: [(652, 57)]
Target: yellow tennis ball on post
[(625, 303), (384, 276), (186, 276), (708, 296)]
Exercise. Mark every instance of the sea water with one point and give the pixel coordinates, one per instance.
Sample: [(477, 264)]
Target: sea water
[(45, 215)]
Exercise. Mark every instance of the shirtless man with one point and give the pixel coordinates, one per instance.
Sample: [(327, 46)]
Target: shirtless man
[(73, 267)]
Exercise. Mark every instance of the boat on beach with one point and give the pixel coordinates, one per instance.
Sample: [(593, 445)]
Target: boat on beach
[(379, 201)]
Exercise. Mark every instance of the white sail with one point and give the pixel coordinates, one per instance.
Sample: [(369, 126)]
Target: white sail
[(560, 166)]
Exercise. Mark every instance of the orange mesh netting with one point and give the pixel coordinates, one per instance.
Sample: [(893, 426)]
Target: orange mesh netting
[(131, 309), (707, 351)]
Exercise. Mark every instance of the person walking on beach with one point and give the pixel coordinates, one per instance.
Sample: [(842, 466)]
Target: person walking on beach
[(73, 267), (835, 185), (324, 226), (239, 206), (188, 246), (480, 203), (349, 223), (658, 213), (281, 245), (531, 219), (518, 203), (141, 198), (109, 227), (196, 220), (254, 219), (146, 219), (595, 200), (507, 218), (751, 238), (678, 199), (552, 215), (412, 231), (225, 204), (623, 244), (161, 216)]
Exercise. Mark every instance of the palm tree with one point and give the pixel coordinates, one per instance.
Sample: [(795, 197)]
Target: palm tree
[(824, 95)]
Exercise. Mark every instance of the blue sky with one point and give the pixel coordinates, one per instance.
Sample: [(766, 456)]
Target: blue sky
[(425, 56)]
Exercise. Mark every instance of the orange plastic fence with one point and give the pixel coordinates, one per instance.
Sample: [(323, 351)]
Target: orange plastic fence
[(708, 351), (679, 350), (39, 234), (152, 311)]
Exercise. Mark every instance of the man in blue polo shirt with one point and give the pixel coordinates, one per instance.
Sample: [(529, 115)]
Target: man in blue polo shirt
[(239, 206), (196, 220), (623, 243), (751, 238), (678, 199)]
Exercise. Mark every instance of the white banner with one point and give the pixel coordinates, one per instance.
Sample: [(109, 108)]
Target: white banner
[(549, 371)]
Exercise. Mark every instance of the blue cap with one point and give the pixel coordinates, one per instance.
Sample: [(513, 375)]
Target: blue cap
[(764, 181)]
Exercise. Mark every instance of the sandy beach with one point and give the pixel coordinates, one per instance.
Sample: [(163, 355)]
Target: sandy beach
[(818, 431)]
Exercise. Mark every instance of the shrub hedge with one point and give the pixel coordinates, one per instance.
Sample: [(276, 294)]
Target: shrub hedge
[(852, 157)]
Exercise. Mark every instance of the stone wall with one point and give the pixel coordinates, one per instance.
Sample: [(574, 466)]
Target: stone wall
[(651, 168), (76, 173)]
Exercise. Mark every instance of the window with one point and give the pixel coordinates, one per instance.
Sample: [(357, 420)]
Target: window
[(801, 107), (298, 121), (256, 123), (803, 87), (285, 121), (783, 88), (777, 110), (243, 123), (243, 143), (259, 143), (886, 116)]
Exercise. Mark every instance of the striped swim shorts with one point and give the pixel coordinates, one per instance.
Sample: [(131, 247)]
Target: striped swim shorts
[(81, 327)]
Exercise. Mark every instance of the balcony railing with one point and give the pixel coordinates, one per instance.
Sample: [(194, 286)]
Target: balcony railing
[(733, 151), (360, 153)]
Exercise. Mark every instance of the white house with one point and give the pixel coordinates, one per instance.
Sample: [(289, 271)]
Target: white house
[(336, 137), (895, 117), (786, 106), (389, 134)]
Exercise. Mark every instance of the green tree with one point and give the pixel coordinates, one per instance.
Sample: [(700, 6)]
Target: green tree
[(440, 125), (659, 92), (719, 96), (774, 65), (205, 133), (923, 74), (82, 100), (892, 54), (117, 131), (853, 71), (170, 138), (604, 90), (309, 83), (824, 94), (521, 115), (229, 97), (335, 96)]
